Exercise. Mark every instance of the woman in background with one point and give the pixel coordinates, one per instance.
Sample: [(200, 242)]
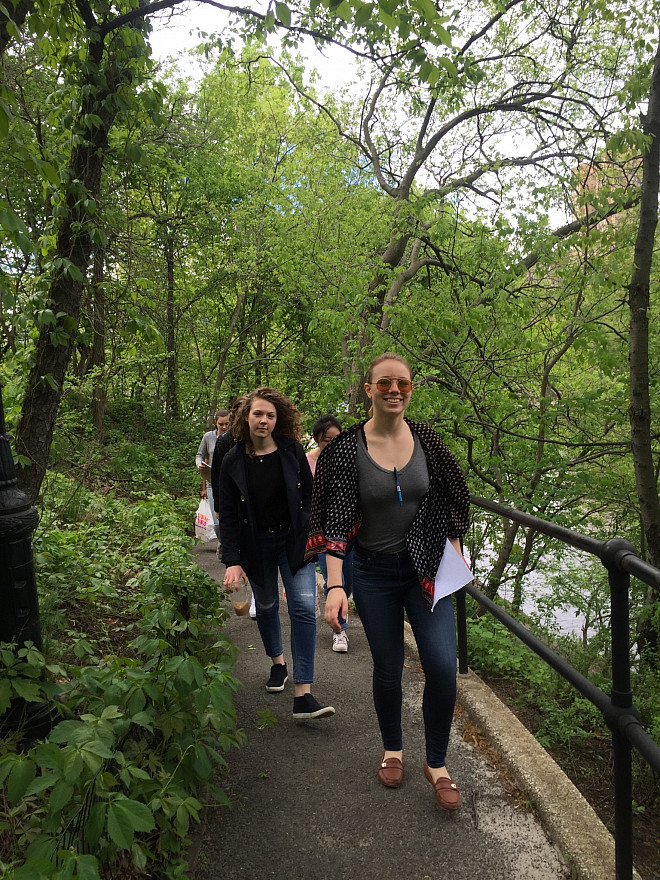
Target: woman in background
[(324, 431), (204, 461)]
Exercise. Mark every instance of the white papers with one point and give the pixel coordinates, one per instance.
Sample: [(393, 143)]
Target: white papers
[(453, 573)]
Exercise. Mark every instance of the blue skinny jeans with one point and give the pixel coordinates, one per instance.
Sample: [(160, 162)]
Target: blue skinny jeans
[(301, 602), (384, 585)]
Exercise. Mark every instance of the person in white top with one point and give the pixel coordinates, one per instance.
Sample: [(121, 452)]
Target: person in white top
[(204, 459)]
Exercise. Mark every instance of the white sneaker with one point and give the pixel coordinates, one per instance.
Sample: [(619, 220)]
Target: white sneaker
[(253, 608), (340, 642)]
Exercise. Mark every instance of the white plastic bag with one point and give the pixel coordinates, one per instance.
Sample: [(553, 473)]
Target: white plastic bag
[(204, 522)]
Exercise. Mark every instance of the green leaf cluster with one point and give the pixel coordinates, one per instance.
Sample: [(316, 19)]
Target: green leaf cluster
[(144, 727)]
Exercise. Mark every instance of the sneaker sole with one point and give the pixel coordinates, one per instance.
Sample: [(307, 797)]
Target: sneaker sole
[(277, 690), (325, 712), (340, 649)]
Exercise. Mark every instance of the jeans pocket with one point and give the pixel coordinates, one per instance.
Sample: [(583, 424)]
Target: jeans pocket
[(361, 559)]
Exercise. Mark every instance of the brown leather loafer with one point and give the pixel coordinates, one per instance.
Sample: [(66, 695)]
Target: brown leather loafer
[(446, 791), (390, 772)]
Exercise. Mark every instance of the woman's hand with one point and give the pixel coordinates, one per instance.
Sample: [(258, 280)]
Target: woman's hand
[(336, 604), (233, 577)]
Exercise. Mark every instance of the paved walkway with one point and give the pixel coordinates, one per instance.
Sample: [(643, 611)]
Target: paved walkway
[(306, 802)]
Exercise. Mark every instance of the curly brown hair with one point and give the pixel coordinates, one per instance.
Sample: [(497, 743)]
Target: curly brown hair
[(289, 421)]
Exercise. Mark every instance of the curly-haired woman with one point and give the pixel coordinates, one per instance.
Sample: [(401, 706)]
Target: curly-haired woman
[(265, 505)]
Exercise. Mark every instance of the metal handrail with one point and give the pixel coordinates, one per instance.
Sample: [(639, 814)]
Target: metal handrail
[(620, 559)]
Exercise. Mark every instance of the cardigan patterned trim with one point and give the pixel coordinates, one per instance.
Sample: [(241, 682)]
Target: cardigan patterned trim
[(443, 512)]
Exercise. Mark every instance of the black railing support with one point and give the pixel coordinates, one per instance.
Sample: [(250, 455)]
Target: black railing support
[(19, 605), (619, 713), (612, 555), (461, 632), (19, 619)]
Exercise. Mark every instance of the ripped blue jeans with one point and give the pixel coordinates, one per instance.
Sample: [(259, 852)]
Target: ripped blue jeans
[(301, 602)]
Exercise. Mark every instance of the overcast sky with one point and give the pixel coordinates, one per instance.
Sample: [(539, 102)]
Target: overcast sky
[(179, 31)]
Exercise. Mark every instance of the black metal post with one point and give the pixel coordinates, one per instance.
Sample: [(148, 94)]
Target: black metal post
[(19, 605), (622, 562), (612, 554), (461, 632), (19, 618)]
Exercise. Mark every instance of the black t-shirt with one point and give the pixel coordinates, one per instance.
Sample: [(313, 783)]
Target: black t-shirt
[(267, 491)]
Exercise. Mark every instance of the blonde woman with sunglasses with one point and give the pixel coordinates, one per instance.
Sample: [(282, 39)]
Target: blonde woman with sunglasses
[(390, 489)]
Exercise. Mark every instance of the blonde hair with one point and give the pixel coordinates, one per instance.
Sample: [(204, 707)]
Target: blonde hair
[(388, 356)]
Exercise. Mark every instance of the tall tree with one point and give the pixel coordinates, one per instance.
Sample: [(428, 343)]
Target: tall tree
[(105, 59), (510, 103), (641, 417), (111, 64)]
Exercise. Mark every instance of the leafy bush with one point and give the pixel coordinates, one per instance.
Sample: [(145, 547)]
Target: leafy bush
[(494, 649), (145, 689), (564, 717), (141, 452)]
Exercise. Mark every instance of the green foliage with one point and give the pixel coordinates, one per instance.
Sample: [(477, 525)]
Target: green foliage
[(146, 697), (128, 461), (22, 678), (265, 720), (239, 232), (558, 716), (563, 716)]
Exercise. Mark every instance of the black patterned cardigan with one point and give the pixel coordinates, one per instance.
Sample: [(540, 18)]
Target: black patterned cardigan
[(443, 512)]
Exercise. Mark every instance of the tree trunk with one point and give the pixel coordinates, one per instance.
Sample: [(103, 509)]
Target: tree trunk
[(19, 12), (226, 345), (171, 400), (518, 597), (138, 396), (259, 352), (98, 344), (72, 252), (503, 555), (639, 300), (358, 402)]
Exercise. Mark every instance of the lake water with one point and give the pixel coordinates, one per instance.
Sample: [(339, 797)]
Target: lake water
[(570, 621)]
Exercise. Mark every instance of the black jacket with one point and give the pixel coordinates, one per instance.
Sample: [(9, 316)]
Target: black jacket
[(238, 525), (223, 444)]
